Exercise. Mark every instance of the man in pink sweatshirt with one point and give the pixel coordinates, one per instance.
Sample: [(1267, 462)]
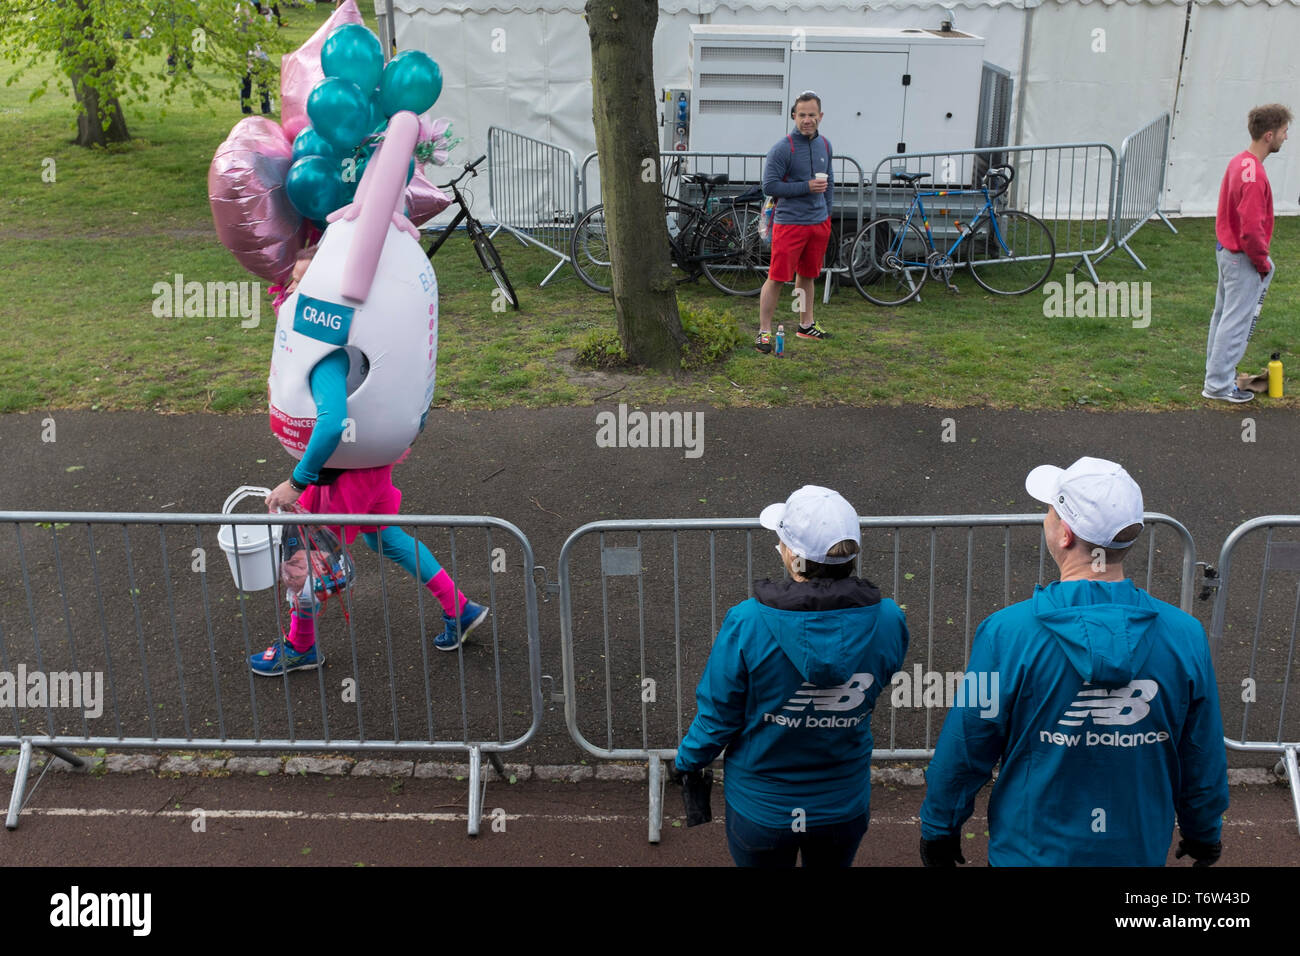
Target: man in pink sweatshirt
[(1244, 228)]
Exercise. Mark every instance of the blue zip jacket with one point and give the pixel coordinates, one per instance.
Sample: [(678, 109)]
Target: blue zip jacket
[(788, 690), (786, 174), (1107, 726)]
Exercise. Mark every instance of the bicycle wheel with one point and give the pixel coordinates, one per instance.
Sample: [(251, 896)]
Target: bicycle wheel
[(1015, 257), (735, 258), (487, 254), (888, 261), (589, 250)]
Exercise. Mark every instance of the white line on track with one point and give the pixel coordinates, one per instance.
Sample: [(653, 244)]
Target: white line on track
[(358, 817), (309, 815)]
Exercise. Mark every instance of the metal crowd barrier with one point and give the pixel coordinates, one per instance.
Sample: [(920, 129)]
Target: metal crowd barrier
[(1067, 185), (142, 633), (533, 191), (1267, 625), (666, 585), (1140, 183), (745, 172)]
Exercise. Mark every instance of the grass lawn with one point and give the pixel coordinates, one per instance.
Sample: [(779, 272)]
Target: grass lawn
[(82, 255)]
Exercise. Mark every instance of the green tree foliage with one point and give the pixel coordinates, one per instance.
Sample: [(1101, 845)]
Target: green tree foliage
[(113, 52)]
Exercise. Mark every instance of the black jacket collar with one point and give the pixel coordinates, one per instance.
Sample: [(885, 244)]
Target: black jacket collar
[(816, 594)]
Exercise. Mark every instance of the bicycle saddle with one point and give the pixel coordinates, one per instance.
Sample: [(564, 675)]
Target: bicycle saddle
[(717, 179), (909, 177)]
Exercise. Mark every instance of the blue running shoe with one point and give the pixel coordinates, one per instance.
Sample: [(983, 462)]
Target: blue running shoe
[(280, 658), (470, 618)]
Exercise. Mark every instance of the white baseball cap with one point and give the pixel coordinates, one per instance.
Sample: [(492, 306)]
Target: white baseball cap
[(1097, 498), (812, 521)]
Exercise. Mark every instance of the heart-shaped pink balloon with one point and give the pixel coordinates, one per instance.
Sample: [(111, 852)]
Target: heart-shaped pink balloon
[(424, 200), (252, 212), (300, 70)]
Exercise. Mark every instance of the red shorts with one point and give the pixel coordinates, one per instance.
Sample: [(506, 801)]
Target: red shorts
[(798, 248)]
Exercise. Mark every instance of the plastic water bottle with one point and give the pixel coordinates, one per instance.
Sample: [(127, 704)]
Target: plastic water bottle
[(780, 341)]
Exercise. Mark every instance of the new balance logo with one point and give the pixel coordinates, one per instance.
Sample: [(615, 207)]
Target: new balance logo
[(1121, 705), (847, 696), (844, 697)]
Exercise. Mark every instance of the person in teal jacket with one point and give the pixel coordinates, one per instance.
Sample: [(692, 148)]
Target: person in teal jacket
[(789, 689), (1107, 722)]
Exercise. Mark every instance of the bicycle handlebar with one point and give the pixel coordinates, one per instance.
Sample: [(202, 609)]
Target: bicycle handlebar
[(467, 171), (998, 179)]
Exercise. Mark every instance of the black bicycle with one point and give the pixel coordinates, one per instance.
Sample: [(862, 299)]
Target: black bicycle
[(724, 247), (487, 253)]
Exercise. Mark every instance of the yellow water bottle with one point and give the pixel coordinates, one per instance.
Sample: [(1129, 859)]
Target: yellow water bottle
[(1275, 376)]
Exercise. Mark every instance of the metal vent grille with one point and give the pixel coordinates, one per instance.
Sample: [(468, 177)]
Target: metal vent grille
[(772, 54), (756, 80), (994, 123), (760, 107)]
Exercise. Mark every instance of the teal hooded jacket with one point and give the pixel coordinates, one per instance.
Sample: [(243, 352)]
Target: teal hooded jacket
[(788, 690), (1107, 728)]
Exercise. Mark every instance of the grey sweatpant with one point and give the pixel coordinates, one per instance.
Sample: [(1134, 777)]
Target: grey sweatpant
[(1237, 304)]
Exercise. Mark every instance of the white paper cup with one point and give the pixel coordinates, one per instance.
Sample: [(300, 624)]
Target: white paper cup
[(821, 176)]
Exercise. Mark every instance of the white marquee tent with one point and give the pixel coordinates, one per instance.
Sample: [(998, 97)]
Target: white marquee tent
[(1084, 70)]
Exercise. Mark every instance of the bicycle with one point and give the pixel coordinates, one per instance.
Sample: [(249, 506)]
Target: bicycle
[(1008, 252), (724, 247), (487, 253)]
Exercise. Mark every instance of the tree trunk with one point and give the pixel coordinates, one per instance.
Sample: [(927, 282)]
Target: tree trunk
[(90, 68), (623, 104)]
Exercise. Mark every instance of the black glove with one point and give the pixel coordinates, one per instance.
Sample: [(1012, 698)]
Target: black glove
[(945, 851), (697, 789), (1205, 854)]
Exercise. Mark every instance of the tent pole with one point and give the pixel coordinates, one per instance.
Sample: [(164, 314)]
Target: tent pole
[(1024, 73)]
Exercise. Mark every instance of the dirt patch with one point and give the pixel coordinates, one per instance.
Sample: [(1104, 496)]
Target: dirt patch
[(600, 381)]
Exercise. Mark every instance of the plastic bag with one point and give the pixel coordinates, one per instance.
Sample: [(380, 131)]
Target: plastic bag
[(313, 551), (765, 219)]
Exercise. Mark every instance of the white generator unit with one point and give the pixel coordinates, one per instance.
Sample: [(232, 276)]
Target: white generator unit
[(883, 91)]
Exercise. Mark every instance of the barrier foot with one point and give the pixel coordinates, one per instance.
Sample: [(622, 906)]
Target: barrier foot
[(20, 785), (1293, 776), (1133, 255), (656, 798), (1086, 263), (16, 798), (551, 275), (475, 790), (1165, 220)]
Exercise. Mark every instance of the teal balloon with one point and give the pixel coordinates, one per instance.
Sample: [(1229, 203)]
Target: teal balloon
[(314, 186), (353, 53), (412, 81), (410, 171), (353, 179), (377, 118), (311, 143), (339, 111)]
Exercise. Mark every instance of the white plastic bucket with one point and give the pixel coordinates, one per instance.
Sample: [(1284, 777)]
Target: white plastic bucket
[(253, 555)]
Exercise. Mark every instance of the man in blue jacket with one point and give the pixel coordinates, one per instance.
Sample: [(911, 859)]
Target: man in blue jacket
[(1108, 723), (789, 690), (798, 175)]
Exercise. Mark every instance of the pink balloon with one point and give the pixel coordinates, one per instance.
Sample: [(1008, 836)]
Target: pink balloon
[(300, 70), (295, 125), (423, 198), (252, 212)]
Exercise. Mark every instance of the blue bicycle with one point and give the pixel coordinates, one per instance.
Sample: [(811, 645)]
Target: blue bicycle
[(1009, 252)]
